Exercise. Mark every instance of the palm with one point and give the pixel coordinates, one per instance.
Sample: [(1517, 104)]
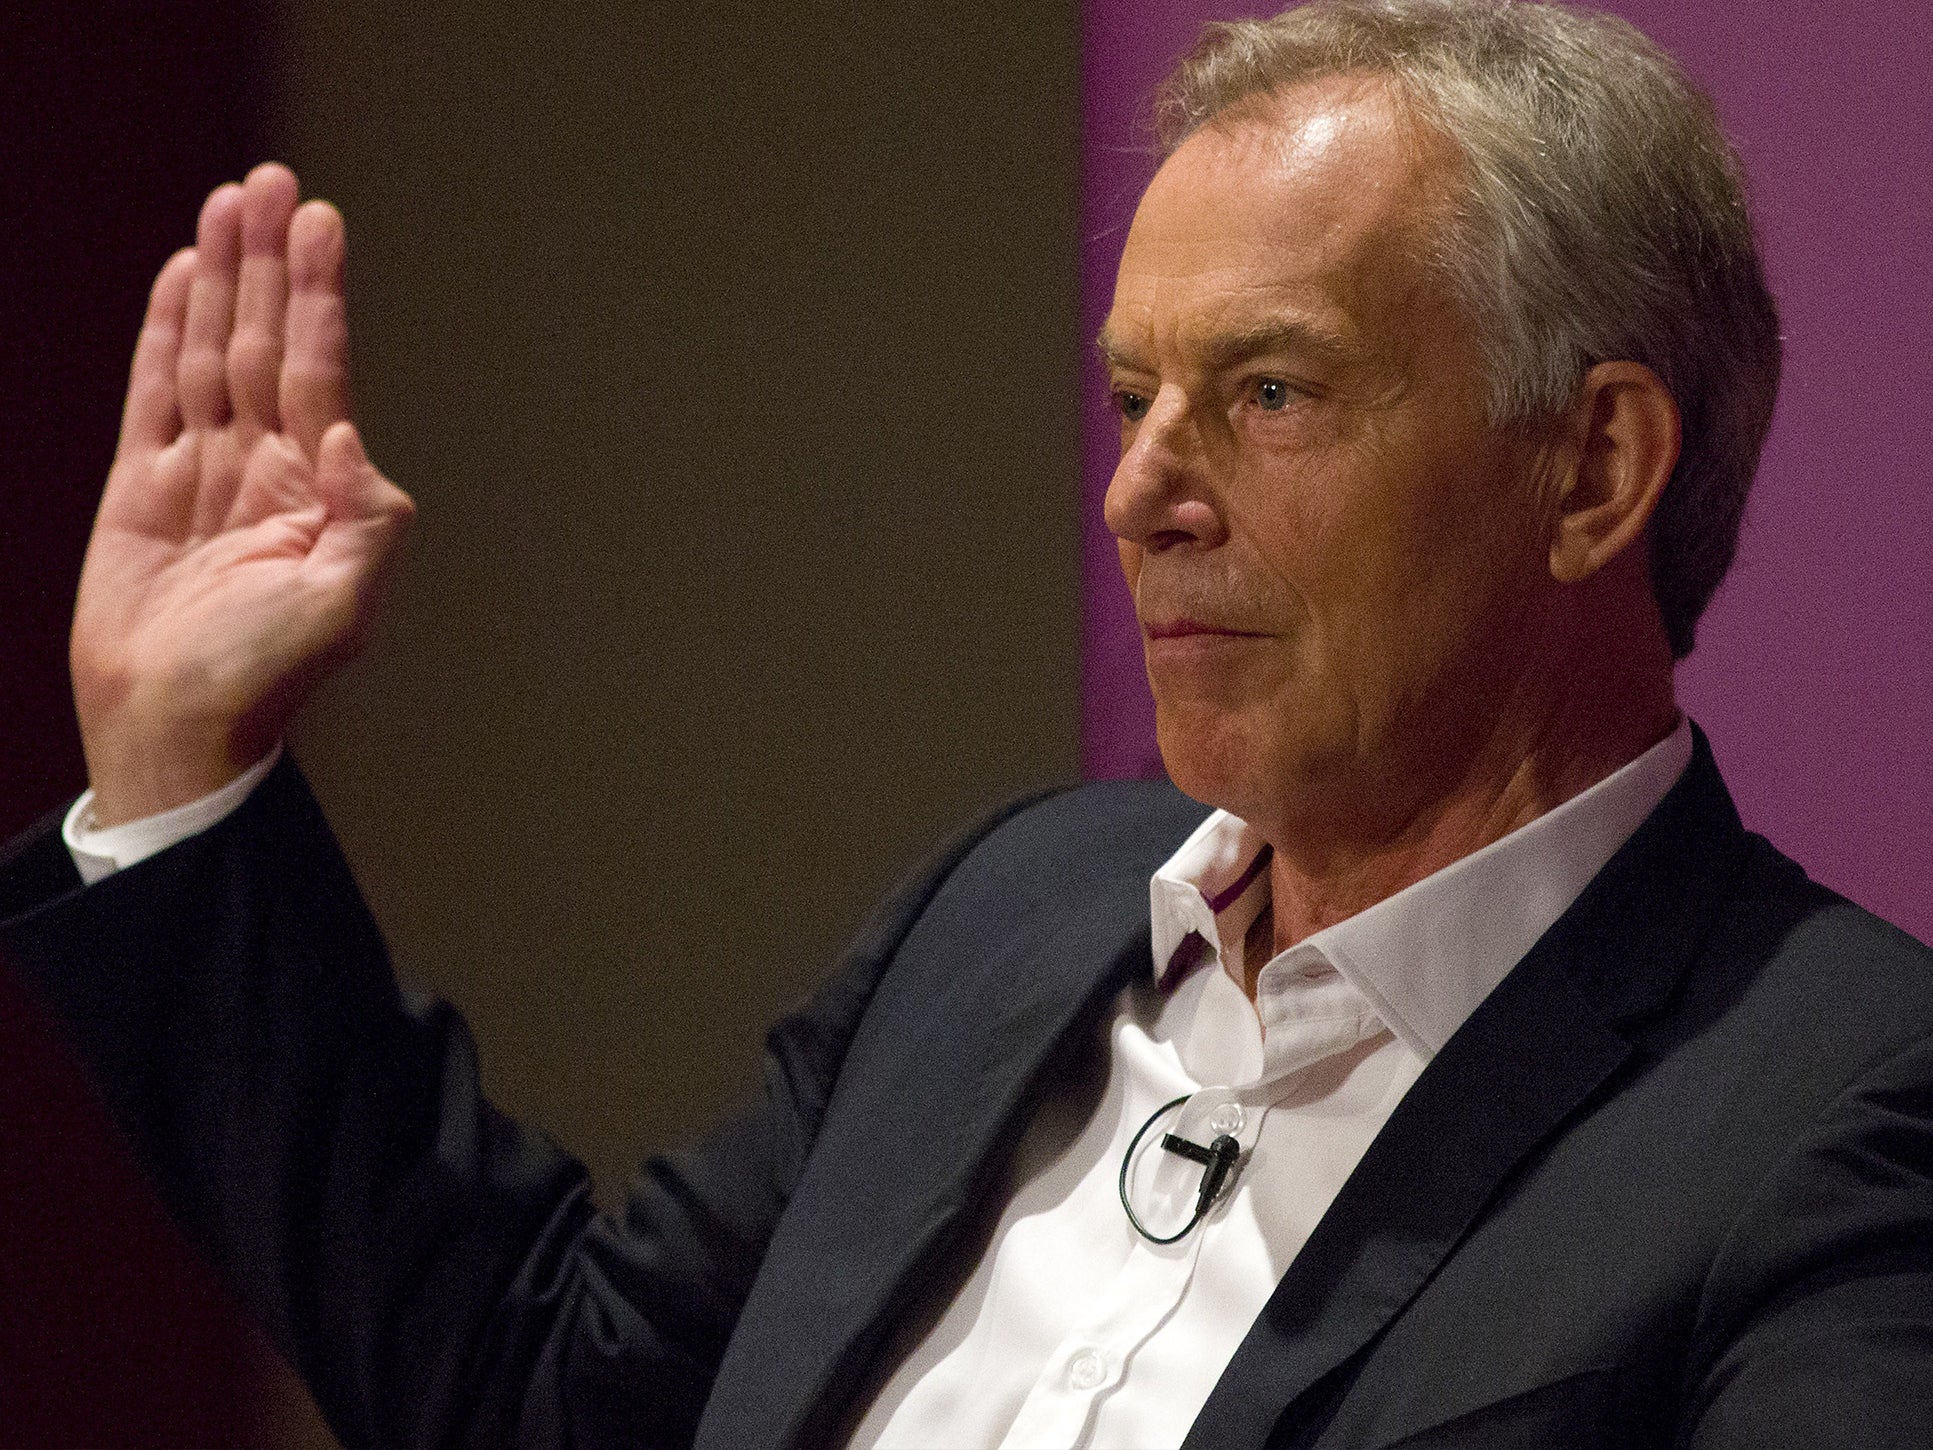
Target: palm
[(242, 532)]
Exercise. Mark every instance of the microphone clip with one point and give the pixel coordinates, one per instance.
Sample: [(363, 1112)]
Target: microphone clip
[(1218, 1160)]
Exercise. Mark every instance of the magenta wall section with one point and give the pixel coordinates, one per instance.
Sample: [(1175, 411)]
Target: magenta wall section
[(1814, 670)]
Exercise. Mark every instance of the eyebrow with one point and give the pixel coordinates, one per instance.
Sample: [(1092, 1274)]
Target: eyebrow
[(1275, 334)]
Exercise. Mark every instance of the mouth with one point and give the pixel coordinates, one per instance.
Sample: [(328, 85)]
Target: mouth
[(1192, 628)]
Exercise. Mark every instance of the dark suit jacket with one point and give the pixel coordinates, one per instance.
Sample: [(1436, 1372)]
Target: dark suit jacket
[(1672, 1183)]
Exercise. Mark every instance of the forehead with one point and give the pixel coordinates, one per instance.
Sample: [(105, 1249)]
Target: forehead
[(1316, 204)]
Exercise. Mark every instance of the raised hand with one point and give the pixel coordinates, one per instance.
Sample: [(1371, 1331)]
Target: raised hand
[(243, 539)]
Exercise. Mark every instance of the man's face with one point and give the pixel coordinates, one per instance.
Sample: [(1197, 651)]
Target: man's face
[(1329, 547)]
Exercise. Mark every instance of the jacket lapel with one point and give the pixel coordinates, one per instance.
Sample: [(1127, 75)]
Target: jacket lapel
[(997, 978), (1536, 1050)]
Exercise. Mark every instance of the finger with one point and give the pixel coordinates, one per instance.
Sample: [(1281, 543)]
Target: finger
[(261, 296), (351, 487), (362, 540), (360, 543), (315, 347), (201, 374), (151, 418)]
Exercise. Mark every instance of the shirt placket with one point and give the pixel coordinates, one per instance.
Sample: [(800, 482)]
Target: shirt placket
[(1092, 1360), (1308, 1018)]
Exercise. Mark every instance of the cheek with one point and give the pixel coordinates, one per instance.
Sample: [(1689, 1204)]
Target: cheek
[(1370, 576), (1304, 541), (1431, 585)]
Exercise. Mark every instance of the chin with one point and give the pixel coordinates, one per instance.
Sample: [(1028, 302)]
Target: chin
[(1269, 763), (1212, 757)]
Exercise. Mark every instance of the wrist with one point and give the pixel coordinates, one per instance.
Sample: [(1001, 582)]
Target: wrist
[(123, 795), (136, 773), (99, 851)]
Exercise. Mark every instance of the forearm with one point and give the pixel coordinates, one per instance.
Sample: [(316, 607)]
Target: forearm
[(434, 1270), (323, 1139)]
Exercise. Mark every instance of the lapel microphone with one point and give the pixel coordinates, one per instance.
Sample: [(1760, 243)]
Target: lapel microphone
[(1218, 1159)]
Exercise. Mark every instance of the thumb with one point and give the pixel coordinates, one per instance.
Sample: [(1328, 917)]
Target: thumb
[(350, 486)]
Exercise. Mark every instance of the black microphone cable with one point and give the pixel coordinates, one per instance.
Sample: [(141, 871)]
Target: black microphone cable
[(1216, 1160)]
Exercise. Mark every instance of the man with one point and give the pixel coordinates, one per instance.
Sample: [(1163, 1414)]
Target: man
[(1470, 1078)]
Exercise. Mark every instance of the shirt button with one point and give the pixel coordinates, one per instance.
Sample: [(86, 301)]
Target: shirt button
[(1227, 1119), (1086, 1370)]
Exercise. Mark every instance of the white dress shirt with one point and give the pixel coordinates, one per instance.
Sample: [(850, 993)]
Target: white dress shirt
[(1069, 1328)]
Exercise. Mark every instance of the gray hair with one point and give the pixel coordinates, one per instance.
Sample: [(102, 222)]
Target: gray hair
[(1602, 217)]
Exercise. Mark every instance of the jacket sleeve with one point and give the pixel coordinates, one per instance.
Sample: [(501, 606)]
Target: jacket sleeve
[(1817, 1320), (434, 1270)]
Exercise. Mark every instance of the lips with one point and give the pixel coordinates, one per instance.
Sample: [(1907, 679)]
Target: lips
[(1183, 628)]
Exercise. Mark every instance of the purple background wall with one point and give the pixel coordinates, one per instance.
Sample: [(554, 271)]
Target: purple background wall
[(1814, 673)]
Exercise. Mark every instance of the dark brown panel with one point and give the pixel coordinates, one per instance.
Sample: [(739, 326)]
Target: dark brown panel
[(729, 352)]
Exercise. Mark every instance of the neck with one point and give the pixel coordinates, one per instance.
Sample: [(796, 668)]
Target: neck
[(1565, 730)]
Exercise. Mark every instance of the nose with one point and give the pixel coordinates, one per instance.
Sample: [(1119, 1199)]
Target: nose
[(1160, 496)]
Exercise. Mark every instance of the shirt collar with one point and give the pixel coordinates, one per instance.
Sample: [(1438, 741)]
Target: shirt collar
[(1425, 957)]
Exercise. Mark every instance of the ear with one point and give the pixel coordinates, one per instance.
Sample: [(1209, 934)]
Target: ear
[(1624, 432)]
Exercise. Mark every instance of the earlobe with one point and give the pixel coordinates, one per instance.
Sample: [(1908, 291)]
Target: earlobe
[(1625, 435)]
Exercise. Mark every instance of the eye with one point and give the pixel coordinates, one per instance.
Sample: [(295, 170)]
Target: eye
[(1273, 394), (1132, 406)]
